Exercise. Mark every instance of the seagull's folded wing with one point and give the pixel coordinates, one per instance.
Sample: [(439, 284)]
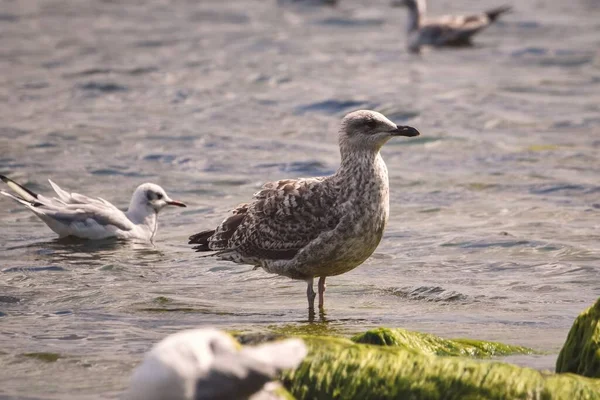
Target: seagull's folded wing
[(76, 198), (450, 28), (88, 215), (285, 216)]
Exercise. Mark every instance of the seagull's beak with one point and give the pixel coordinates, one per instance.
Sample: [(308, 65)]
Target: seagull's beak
[(405, 131), (176, 203)]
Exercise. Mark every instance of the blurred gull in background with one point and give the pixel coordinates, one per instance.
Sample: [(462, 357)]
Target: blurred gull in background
[(448, 30)]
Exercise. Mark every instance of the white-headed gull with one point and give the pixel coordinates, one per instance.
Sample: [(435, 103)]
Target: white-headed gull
[(73, 214), (316, 227), (449, 30), (202, 364)]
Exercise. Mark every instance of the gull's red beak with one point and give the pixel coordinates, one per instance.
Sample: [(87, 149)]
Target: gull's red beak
[(176, 203)]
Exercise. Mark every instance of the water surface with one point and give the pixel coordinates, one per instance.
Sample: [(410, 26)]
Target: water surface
[(494, 226)]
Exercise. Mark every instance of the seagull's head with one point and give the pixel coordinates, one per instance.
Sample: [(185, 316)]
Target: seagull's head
[(418, 5), (371, 130), (151, 196)]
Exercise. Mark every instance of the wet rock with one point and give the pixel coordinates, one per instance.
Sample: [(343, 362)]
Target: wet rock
[(431, 344), (581, 352)]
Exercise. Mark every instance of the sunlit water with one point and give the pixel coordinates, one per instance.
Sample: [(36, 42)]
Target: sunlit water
[(494, 225)]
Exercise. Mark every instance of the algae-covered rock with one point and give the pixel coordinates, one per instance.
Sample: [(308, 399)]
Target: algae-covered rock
[(432, 344), (340, 369), (280, 393), (581, 352)]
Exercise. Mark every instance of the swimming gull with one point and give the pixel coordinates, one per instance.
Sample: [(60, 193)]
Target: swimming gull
[(202, 364), (73, 214), (449, 30), (316, 227)]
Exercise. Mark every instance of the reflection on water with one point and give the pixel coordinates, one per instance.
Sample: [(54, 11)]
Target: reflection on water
[(493, 232)]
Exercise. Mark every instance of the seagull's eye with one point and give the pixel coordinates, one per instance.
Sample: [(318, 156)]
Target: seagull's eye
[(371, 124), (159, 196)]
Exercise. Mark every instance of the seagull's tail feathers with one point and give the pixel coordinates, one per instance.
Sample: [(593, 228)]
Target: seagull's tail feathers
[(201, 239), (494, 13), (23, 193)]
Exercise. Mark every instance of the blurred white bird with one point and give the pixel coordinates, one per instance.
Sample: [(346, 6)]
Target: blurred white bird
[(449, 30), (201, 364), (73, 214)]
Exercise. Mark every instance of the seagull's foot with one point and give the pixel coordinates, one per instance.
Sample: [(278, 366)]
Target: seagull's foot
[(322, 286), (311, 315), (310, 294)]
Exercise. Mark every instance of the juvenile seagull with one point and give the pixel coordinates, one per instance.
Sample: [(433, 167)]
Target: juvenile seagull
[(73, 214), (449, 30), (202, 364), (316, 227)]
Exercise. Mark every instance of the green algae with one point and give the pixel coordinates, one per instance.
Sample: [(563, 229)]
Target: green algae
[(431, 344), (542, 147), (282, 394), (581, 352), (43, 356), (182, 309), (162, 300), (341, 369), (312, 329)]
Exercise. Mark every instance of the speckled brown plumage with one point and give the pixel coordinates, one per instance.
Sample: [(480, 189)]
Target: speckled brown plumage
[(315, 227)]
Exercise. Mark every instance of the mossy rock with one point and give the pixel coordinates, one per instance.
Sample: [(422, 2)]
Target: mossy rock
[(581, 352), (340, 369), (431, 344), (281, 393)]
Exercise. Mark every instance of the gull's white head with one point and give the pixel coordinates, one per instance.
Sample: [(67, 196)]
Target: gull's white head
[(151, 197), (370, 129)]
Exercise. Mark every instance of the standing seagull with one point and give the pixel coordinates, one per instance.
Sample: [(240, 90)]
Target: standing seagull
[(73, 214), (207, 364), (316, 227), (449, 30)]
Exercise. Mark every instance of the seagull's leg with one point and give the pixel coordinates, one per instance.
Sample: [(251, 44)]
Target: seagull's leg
[(322, 287), (310, 294)]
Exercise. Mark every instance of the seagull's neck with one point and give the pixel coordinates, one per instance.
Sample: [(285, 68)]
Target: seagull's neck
[(144, 217), (416, 15), (365, 167)]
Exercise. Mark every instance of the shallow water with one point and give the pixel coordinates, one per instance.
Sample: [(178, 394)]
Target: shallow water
[(494, 224)]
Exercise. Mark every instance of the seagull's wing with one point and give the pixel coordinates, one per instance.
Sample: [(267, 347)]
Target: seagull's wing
[(82, 217), (449, 30), (284, 217), (239, 375), (76, 198), (24, 195), (459, 28), (21, 191)]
